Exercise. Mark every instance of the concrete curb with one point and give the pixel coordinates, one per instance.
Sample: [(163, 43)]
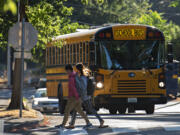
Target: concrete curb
[(170, 103)]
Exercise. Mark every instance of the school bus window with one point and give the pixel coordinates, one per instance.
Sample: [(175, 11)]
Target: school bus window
[(59, 57), (77, 53), (58, 62), (70, 54), (74, 53), (64, 54), (84, 52), (72, 46), (49, 56), (80, 52), (87, 52), (56, 56)]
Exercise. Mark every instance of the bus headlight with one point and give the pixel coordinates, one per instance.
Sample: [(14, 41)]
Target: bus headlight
[(99, 85), (161, 84)]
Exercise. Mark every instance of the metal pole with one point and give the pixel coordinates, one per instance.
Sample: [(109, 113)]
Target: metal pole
[(22, 67), (9, 66), (18, 10)]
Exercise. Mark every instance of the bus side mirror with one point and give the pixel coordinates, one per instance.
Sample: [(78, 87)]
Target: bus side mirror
[(170, 58)]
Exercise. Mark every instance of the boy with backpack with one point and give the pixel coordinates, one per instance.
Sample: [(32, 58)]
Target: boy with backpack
[(82, 83)]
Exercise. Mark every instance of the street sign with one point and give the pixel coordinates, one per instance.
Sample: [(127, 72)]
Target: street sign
[(15, 36), (27, 55)]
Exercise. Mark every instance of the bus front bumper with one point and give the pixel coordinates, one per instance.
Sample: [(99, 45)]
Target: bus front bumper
[(102, 100)]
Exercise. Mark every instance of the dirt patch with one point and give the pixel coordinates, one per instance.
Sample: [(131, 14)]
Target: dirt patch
[(15, 113)]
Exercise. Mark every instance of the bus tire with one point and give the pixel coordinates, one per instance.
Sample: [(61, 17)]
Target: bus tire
[(122, 109), (62, 102), (131, 109), (150, 109), (112, 110), (96, 108)]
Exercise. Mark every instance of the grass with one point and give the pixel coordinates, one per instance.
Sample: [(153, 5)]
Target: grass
[(15, 113)]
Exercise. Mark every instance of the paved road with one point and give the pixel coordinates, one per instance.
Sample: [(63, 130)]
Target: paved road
[(165, 121)]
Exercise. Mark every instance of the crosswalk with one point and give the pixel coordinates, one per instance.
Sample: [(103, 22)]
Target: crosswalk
[(164, 119), (118, 130)]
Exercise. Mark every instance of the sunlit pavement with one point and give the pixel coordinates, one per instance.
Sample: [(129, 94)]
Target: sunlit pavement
[(165, 121)]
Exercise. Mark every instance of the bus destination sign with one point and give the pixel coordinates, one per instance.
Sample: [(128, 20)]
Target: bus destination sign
[(129, 33)]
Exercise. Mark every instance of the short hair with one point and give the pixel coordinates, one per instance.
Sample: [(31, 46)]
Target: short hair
[(69, 67)]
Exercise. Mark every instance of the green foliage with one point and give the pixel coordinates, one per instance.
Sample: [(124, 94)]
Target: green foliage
[(50, 18), (8, 5), (175, 3), (6, 21), (153, 18), (170, 30), (108, 11)]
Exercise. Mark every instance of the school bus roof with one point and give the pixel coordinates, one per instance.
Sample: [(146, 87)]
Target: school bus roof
[(88, 34), (76, 34)]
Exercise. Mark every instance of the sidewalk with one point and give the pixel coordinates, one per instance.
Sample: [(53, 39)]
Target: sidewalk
[(171, 102), (19, 126)]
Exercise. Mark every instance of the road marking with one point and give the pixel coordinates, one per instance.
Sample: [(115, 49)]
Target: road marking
[(172, 127), (118, 126), (124, 130), (75, 131)]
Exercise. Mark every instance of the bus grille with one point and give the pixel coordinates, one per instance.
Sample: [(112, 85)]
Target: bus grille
[(130, 86)]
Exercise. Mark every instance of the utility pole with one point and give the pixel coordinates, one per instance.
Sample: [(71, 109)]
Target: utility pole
[(9, 66), (18, 77), (20, 44)]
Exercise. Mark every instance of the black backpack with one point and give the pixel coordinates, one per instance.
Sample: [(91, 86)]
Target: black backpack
[(90, 86)]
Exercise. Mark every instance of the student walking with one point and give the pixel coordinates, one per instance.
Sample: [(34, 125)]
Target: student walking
[(74, 102), (81, 85)]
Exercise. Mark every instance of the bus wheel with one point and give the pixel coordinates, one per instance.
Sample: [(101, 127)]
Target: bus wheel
[(96, 108), (131, 109), (122, 109), (62, 102), (150, 109), (112, 110)]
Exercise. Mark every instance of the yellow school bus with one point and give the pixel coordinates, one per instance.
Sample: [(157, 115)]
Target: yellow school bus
[(127, 62)]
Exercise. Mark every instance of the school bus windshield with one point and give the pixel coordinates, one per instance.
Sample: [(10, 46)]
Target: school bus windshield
[(133, 54)]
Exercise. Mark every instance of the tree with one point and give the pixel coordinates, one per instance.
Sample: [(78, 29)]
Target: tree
[(175, 3), (109, 11), (8, 5), (50, 20), (170, 30)]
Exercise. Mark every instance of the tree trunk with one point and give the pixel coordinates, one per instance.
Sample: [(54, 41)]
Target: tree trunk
[(16, 90)]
